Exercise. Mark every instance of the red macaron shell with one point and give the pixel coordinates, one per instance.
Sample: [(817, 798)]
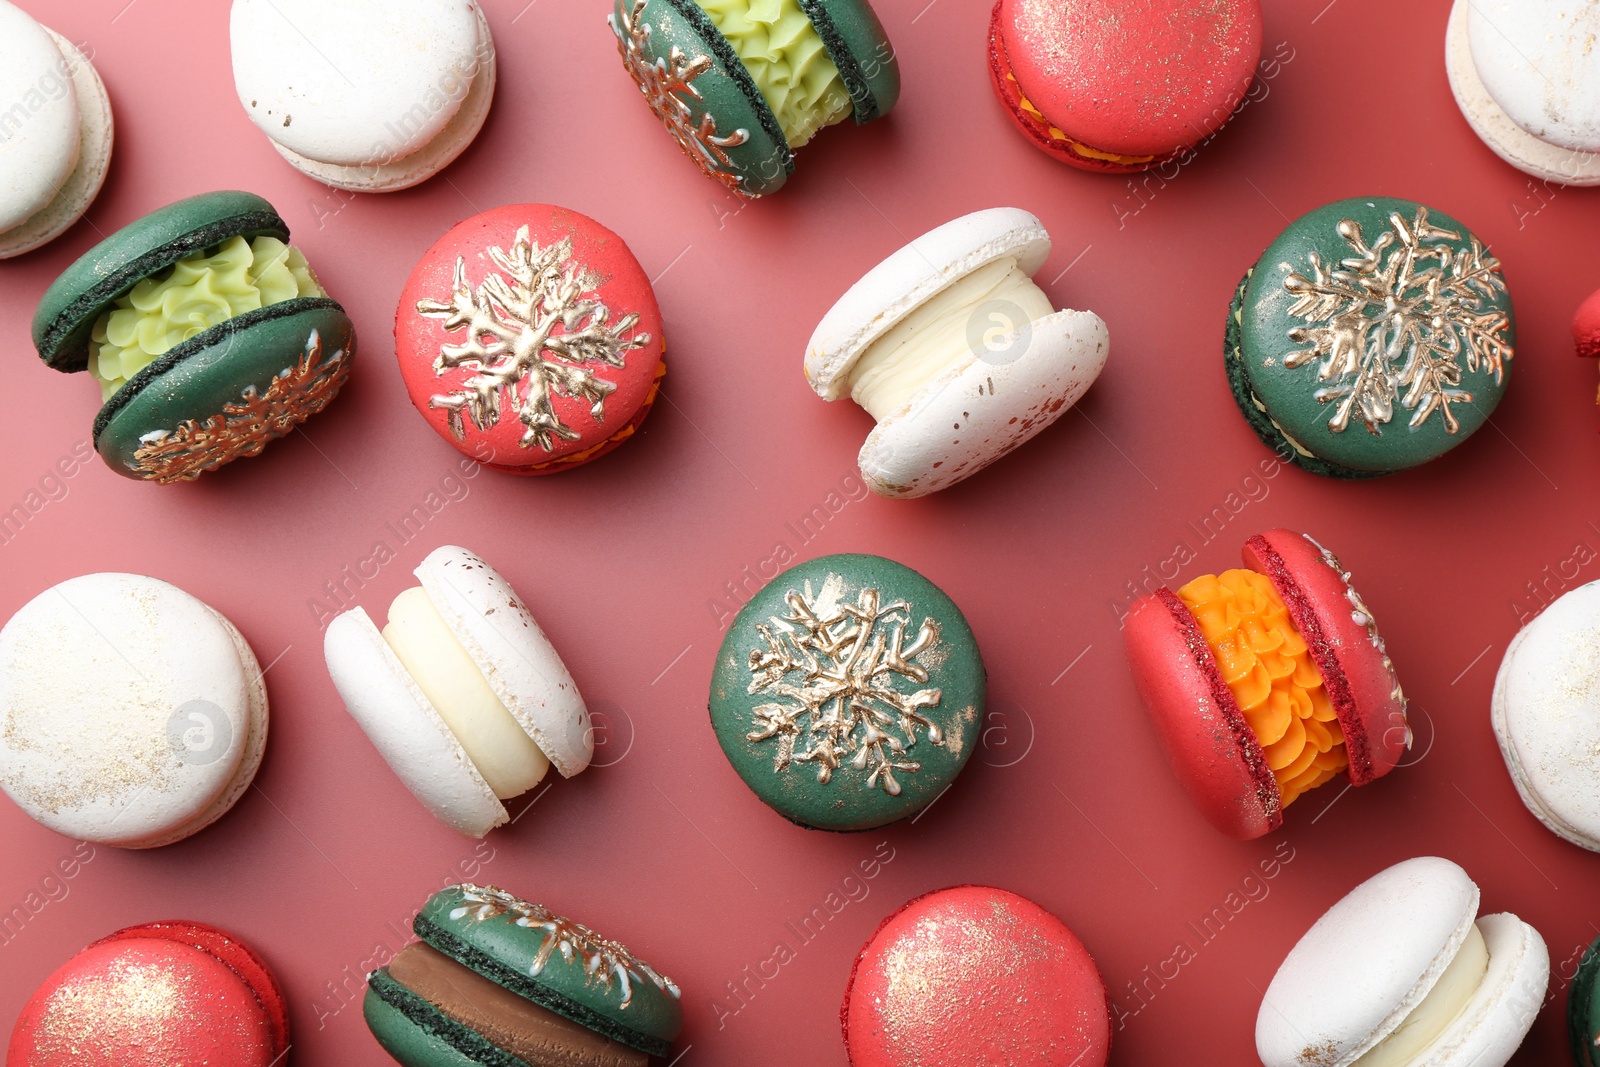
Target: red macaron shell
[(975, 977), (1586, 326), (574, 327)]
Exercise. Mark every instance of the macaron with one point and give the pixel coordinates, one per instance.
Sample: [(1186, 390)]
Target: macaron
[(55, 139), (207, 332), (156, 995), (975, 977), (955, 351), (742, 84), (1583, 1009), (530, 339), (848, 693), (1372, 336), (498, 981), (1108, 85), (1402, 972), (366, 95), (1546, 716), (1266, 682), (1525, 75), (461, 692), (131, 714)]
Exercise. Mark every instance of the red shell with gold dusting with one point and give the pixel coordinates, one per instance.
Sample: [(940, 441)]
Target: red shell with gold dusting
[(975, 977)]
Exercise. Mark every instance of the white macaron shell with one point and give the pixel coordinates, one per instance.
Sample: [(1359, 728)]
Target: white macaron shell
[(900, 284), (521, 665), (357, 81), (1537, 60), (404, 727), (1493, 1023), (1362, 967), (39, 119), (958, 424), (102, 678), (1546, 715)]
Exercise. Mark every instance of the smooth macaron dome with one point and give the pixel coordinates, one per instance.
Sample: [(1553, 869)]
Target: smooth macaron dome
[(530, 338), (975, 977), (741, 84), (133, 714), (1401, 972), (1372, 336), (498, 980), (848, 693), (955, 351), (1583, 1009), (1266, 682), (1110, 85), (365, 95)]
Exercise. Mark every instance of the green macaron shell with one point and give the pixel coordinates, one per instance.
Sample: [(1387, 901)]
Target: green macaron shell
[(67, 312), (502, 938), (1363, 367), (1583, 1009), (417, 1034), (866, 641), (856, 42)]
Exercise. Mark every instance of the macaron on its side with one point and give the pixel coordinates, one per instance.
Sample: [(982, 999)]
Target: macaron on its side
[(1583, 1009), (1586, 327)]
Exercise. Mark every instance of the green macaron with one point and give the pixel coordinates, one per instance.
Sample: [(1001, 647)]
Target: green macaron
[(848, 693), (1372, 336), (741, 84), (1583, 1009), (206, 330), (498, 981)]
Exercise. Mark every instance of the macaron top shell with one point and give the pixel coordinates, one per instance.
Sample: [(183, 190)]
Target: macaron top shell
[(38, 155), (1537, 60)]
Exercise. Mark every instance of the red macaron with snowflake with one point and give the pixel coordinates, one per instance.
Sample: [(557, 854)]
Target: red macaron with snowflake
[(530, 338)]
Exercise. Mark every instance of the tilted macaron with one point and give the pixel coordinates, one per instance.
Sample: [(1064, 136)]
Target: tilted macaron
[(365, 95), (848, 693), (206, 331), (156, 995), (1372, 336), (1586, 327), (1266, 682), (131, 714), (1583, 1009), (1111, 86), (741, 84), (55, 135), (498, 981), (530, 339), (461, 692), (955, 351), (1403, 973), (975, 977), (1546, 715)]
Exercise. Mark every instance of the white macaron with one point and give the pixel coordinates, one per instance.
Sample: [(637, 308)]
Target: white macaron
[(366, 95), (461, 692), (55, 133), (1527, 77), (1546, 715), (955, 351), (131, 714), (1403, 973)]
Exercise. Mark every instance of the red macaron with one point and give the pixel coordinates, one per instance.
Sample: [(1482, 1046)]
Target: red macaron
[(152, 996), (1586, 326), (1122, 85), (1268, 681)]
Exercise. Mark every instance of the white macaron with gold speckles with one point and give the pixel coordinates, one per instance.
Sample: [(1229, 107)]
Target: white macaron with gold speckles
[(955, 351)]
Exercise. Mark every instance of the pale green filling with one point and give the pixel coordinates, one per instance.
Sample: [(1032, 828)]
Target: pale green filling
[(786, 58), (191, 296)]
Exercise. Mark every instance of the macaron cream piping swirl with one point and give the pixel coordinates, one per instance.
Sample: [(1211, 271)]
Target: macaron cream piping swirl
[(787, 59)]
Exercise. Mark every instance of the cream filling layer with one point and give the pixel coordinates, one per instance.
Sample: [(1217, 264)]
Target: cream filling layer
[(1438, 1009), (504, 754), (966, 321)]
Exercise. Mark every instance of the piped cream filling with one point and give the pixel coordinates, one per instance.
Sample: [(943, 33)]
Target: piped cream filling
[(502, 751), (1438, 1009), (967, 320)]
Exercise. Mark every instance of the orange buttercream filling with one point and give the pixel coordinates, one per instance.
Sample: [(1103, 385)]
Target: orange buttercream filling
[(1266, 664), (1059, 136)]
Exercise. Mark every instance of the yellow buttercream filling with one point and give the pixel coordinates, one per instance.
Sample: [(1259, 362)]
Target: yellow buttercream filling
[(787, 60)]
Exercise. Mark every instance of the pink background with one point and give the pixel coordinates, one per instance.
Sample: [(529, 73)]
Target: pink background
[(628, 562)]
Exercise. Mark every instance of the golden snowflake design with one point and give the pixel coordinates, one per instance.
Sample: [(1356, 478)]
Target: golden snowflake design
[(604, 962), (243, 429), (834, 665), (1400, 319)]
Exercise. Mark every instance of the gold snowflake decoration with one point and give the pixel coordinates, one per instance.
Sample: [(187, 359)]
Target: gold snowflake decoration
[(668, 87), (1401, 319), (529, 334), (244, 428), (835, 667), (603, 961)]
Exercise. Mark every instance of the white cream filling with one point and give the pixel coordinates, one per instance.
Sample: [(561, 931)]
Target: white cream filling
[(1438, 1009), (963, 322), (504, 754)]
